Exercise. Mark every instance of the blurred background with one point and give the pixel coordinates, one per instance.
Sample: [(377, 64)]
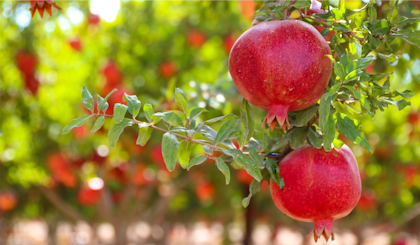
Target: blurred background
[(74, 189)]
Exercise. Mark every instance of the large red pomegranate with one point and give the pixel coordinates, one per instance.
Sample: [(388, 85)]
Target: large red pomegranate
[(281, 66), (320, 187)]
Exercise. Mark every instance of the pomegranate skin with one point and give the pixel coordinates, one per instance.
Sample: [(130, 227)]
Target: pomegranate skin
[(320, 186), (281, 66)]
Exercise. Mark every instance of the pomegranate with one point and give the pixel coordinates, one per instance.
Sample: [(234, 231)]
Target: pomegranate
[(205, 191), (26, 62), (167, 69), (76, 44), (93, 19), (228, 42), (60, 170), (367, 200), (42, 5), (196, 38), (281, 66), (88, 196), (8, 201), (112, 74), (320, 187)]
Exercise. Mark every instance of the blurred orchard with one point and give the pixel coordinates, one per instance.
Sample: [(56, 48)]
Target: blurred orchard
[(75, 189)]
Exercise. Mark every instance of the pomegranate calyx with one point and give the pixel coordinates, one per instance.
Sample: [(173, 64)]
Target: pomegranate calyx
[(322, 228), (276, 114)]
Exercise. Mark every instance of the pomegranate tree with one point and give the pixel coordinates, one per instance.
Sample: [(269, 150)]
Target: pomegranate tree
[(281, 66), (320, 187)]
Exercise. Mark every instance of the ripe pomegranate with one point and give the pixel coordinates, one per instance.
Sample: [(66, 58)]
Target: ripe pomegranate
[(248, 8), (320, 187), (93, 19), (88, 196), (196, 39), (7, 201), (60, 170), (413, 118), (26, 62), (367, 200), (31, 83), (228, 42), (76, 44), (167, 69), (112, 74), (281, 66), (205, 191), (42, 5)]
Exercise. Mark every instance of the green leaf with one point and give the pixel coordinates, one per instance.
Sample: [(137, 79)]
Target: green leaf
[(144, 136), (273, 169), (324, 109), (259, 160), (217, 119), (148, 112), (363, 101), (393, 13), (87, 99), (298, 137), (254, 188), (315, 139), (221, 165), (400, 104), (75, 123), (196, 112), (119, 112), (197, 161), (133, 104), (184, 154), (355, 49), (362, 63), (325, 32), (208, 132), (102, 102), (406, 93), (208, 150), (283, 141), (301, 4), (302, 118), (402, 21), (170, 147), (329, 132), (248, 121), (105, 106), (170, 117), (181, 99), (98, 124), (347, 127), (339, 70), (226, 130), (116, 130), (265, 142), (390, 58), (381, 27), (246, 163), (372, 14)]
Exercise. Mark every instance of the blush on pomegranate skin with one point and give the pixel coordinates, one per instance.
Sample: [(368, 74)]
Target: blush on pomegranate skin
[(320, 187), (281, 66)]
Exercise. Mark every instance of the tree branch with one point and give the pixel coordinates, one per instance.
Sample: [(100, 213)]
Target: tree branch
[(60, 204)]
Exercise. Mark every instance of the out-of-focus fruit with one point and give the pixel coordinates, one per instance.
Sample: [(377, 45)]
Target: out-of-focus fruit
[(8, 201)]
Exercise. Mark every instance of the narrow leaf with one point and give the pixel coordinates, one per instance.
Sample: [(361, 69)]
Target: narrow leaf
[(133, 104), (329, 132), (259, 160), (208, 150), (144, 136), (116, 130), (184, 154), (197, 161), (246, 163), (298, 137), (226, 130), (196, 112), (170, 147), (254, 188), (148, 112), (347, 127), (75, 123), (273, 169), (119, 112), (221, 165), (102, 102), (315, 139), (170, 117), (302, 118), (247, 120), (98, 124), (181, 99), (87, 99)]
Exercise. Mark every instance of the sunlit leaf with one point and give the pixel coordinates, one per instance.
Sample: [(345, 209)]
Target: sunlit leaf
[(98, 124), (116, 130), (181, 99), (197, 161), (170, 147), (87, 99), (144, 136), (221, 165), (75, 123), (119, 112)]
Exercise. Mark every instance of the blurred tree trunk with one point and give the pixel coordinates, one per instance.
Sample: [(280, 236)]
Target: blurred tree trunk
[(249, 219), (120, 233)]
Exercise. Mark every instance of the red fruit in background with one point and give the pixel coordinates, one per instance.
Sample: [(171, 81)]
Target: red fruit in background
[(138, 176), (401, 241), (281, 66), (248, 8), (370, 69), (76, 44), (60, 170), (112, 74), (116, 97), (228, 42), (196, 38), (156, 155), (26, 62), (120, 173), (80, 133), (42, 5), (413, 118), (8, 201), (88, 196), (244, 177), (367, 200), (320, 186), (93, 19), (205, 191), (167, 69), (327, 38), (116, 197), (410, 173), (31, 83)]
